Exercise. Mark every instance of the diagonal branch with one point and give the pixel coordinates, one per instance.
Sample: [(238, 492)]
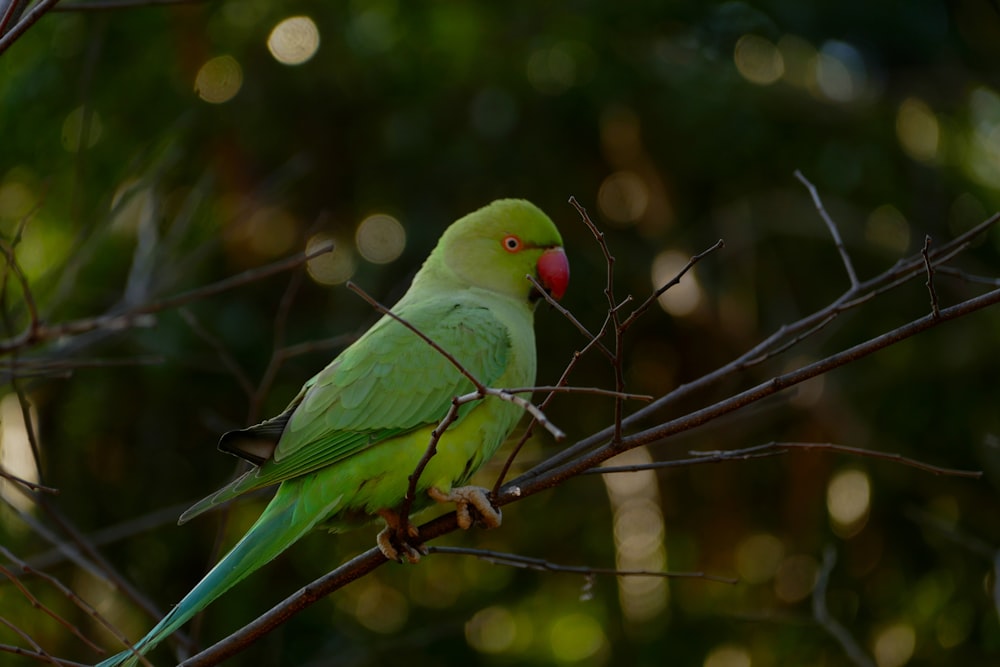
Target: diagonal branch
[(38, 332), (832, 226)]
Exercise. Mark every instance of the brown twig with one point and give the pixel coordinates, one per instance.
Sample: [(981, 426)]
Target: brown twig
[(776, 448), (613, 309), (114, 5), (27, 20), (832, 226), (37, 655), (35, 603), (639, 310), (591, 338), (31, 486), (968, 277), (542, 565), (354, 287), (68, 592), (39, 652), (140, 315), (935, 308)]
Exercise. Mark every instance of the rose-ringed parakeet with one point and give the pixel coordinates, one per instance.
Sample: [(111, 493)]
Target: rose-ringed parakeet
[(343, 449)]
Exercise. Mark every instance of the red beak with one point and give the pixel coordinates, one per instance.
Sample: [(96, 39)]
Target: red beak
[(553, 272)]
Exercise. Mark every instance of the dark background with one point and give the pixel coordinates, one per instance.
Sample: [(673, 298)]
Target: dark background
[(675, 124)]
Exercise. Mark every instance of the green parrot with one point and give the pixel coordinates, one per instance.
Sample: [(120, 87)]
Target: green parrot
[(342, 451)]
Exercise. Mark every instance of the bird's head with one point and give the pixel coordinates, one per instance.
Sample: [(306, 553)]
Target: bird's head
[(498, 246)]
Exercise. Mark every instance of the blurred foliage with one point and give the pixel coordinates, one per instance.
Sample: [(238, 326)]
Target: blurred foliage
[(675, 123)]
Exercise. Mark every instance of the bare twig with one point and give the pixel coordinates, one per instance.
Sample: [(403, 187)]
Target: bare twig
[(826, 621), (644, 306), (65, 590), (34, 602), (37, 655), (139, 315), (27, 20), (32, 486), (968, 277), (776, 448), (29, 299), (832, 226), (114, 5), (613, 309), (542, 565), (591, 338), (39, 652), (354, 287), (935, 308)]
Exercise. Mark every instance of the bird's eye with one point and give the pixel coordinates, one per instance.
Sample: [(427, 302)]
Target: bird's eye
[(511, 243)]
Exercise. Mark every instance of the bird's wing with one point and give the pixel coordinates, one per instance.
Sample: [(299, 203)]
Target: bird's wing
[(387, 383)]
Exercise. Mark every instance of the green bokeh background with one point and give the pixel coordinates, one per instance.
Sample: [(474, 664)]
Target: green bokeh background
[(425, 111)]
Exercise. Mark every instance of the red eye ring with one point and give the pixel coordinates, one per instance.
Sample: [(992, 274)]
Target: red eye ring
[(511, 243)]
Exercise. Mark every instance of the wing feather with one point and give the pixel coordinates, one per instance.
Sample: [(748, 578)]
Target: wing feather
[(386, 384)]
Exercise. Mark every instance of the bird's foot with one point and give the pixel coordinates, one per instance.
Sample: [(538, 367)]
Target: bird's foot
[(472, 505), (397, 540)]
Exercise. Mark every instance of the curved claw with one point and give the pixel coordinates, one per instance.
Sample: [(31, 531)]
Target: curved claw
[(469, 499), (394, 541)]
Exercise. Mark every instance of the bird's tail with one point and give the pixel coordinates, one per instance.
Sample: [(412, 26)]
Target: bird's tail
[(280, 525)]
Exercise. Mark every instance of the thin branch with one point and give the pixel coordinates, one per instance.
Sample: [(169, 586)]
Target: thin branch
[(935, 308), (139, 315), (29, 299), (832, 226), (542, 565), (566, 389), (776, 448), (527, 406), (39, 655), (644, 306), (591, 338), (563, 379), (826, 621), (27, 20), (39, 652), (31, 486), (114, 5), (35, 603), (968, 277), (613, 306), (443, 352)]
